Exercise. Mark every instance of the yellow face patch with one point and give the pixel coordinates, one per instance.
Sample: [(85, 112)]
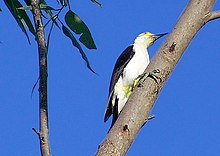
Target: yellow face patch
[(146, 34)]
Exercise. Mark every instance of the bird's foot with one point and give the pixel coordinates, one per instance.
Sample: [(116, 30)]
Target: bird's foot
[(154, 75), (141, 75)]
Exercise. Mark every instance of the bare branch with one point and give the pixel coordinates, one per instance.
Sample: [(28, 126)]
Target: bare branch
[(42, 52)]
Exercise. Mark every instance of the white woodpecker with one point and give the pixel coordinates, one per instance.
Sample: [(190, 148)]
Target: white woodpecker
[(126, 74)]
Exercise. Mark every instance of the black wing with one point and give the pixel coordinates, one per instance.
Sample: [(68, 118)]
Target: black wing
[(120, 64)]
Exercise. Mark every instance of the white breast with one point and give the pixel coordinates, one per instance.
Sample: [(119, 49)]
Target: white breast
[(137, 64)]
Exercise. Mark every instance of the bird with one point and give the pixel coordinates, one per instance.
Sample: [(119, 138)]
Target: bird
[(128, 68)]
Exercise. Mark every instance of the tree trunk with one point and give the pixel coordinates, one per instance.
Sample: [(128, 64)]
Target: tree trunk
[(136, 111)]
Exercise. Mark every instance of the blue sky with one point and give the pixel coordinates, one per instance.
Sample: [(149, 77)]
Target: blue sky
[(187, 110)]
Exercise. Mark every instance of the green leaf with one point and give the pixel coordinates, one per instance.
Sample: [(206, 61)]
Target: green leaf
[(68, 33), (20, 16), (79, 27), (28, 2), (44, 6), (97, 3), (25, 8)]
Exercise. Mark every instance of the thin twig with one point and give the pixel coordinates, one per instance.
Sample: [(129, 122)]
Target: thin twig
[(33, 88), (43, 102), (36, 131)]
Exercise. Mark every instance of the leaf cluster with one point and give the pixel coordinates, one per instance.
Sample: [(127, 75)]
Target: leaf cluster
[(73, 24)]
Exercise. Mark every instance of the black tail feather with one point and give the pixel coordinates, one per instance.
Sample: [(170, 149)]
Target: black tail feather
[(115, 113)]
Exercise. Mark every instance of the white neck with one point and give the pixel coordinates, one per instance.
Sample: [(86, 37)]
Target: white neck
[(141, 42)]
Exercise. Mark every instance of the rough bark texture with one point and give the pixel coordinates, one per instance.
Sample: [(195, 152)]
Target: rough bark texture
[(42, 51), (140, 103)]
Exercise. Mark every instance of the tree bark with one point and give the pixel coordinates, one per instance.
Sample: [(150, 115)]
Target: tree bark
[(43, 106), (136, 111)]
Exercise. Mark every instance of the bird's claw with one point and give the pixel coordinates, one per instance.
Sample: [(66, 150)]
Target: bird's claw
[(141, 75), (154, 75)]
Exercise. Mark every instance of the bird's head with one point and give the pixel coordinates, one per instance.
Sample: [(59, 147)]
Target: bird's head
[(148, 38)]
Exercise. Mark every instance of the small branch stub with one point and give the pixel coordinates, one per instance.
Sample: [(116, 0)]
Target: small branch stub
[(172, 47), (213, 15)]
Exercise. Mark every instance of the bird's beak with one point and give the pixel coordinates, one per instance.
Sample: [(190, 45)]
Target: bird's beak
[(158, 36)]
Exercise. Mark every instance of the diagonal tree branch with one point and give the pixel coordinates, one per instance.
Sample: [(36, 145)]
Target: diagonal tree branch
[(140, 103), (42, 51)]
